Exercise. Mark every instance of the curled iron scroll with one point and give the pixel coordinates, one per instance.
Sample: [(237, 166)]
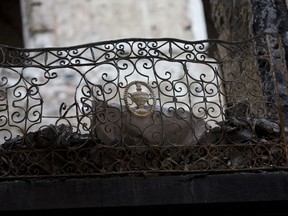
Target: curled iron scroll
[(140, 98)]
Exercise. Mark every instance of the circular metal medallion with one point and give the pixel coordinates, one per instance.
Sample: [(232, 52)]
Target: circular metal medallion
[(140, 98)]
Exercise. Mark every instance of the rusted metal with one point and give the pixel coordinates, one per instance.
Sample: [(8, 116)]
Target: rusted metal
[(137, 105)]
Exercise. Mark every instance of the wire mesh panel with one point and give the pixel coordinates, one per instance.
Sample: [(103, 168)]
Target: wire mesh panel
[(143, 105)]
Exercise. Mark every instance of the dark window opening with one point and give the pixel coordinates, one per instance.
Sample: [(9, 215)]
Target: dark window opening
[(11, 23)]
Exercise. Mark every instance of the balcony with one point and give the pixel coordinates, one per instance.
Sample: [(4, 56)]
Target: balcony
[(145, 123), (138, 106)]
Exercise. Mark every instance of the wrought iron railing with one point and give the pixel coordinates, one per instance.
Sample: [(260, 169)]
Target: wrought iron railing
[(143, 105)]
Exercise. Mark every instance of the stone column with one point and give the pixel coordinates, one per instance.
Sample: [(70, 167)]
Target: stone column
[(239, 20), (272, 17)]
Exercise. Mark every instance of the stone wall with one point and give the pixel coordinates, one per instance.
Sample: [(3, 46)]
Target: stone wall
[(73, 22)]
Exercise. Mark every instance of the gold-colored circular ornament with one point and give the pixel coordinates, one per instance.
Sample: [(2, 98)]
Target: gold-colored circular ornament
[(140, 98)]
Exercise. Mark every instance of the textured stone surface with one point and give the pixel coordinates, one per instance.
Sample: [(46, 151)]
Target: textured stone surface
[(66, 23), (272, 16)]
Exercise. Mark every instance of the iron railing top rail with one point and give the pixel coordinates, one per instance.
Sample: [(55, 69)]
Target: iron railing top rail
[(114, 49)]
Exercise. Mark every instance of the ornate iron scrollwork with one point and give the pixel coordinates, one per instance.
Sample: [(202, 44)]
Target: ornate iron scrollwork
[(142, 105)]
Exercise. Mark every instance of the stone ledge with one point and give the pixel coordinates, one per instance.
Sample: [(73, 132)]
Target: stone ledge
[(141, 191)]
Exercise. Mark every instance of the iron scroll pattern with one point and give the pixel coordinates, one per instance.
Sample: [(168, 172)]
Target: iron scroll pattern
[(68, 112)]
